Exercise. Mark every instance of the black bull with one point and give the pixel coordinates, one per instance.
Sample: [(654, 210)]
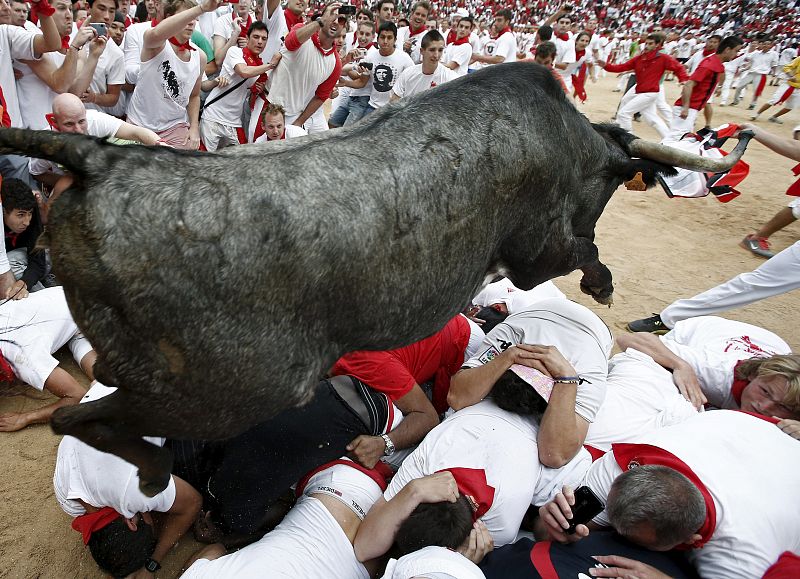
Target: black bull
[(218, 288)]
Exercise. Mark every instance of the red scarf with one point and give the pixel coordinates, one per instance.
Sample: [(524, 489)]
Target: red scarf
[(579, 80), (709, 51), (412, 32), (5, 119), (291, 18), (563, 36), (252, 59), (459, 41), (174, 41), (630, 456), (451, 36), (503, 31), (246, 27), (91, 522), (65, 42), (472, 484), (739, 384), (324, 51)]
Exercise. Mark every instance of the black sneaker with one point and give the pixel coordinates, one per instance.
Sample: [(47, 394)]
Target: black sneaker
[(654, 325), (50, 280)]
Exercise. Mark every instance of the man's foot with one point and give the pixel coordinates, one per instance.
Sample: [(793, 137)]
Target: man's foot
[(736, 102), (775, 120), (757, 245), (754, 117), (50, 280), (653, 324), (751, 106)]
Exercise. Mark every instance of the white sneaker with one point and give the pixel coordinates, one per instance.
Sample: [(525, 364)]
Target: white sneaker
[(754, 118)]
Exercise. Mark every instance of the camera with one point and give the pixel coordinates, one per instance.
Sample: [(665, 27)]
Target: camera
[(347, 9)]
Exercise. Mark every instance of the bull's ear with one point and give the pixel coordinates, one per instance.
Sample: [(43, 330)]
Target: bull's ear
[(615, 134), (647, 171)]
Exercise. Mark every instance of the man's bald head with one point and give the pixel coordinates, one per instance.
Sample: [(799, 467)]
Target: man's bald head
[(69, 114)]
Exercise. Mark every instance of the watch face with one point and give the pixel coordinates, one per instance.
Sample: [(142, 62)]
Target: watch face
[(152, 566)]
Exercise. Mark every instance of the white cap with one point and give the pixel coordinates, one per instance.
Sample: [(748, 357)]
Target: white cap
[(462, 12)]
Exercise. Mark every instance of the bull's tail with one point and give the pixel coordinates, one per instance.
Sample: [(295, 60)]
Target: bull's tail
[(75, 152)]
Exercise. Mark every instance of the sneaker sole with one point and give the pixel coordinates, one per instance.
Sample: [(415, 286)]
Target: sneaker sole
[(656, 332)]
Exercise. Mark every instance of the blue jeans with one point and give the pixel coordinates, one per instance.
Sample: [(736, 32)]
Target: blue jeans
[(359, 106)]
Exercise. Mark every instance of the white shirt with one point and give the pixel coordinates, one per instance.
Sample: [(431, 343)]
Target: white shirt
[(684, 47), (110, 70), (132, 44), (35, 97), (461, 54), (750, 468), (505, 45), (712, 346), (162, 93), (761, 62), (565, 54), (577, 332), (515, 299), (385, 72), (403, 35), (228, 109), (102, 479), (224, 27), (16, 43), (501, 443), (412, 81), (640, 397)]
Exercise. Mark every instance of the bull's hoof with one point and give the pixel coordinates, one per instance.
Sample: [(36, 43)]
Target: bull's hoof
[(154, 475), (604, 296)]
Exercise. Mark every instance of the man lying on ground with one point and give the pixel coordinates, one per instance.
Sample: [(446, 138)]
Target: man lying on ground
[(573, 330), (33, 330)]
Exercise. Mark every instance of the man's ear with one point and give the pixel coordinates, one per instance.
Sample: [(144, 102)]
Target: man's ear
[(694, 538), (132, 522)]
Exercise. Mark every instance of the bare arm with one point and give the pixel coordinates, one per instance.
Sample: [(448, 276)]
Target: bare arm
[(87, 67), (131, 132), (154, 38), (60, 383), (786, 147), (49, 40), (487, 59), (179, 517), (221, 46), (194, 108), (686, 97), (246, 71), (379, 529)]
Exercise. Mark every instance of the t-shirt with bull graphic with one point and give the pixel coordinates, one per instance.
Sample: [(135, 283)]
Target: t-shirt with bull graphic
[(385, 71)]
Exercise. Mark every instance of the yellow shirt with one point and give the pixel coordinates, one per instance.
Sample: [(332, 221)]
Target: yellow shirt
[(793, 70)]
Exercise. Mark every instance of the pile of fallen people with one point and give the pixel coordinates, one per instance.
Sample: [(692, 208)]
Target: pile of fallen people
[(506, 445)]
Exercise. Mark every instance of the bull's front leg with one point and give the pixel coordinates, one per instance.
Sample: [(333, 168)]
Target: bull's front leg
[(111, 424), (597, 282)]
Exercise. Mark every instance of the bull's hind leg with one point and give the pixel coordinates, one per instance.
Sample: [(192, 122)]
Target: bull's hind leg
[(112, 425)]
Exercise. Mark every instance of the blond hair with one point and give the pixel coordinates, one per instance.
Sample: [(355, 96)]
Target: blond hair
[(787, 366)]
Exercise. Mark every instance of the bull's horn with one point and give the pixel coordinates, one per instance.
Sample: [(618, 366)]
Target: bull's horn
[(677, 158)]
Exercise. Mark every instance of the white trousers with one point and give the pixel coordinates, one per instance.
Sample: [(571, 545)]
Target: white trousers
[(777, 275), (749, 78), (726, 88), (645, 103), (679, 127)]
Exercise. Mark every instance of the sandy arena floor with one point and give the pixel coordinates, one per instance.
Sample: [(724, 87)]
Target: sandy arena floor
[(658, 249)]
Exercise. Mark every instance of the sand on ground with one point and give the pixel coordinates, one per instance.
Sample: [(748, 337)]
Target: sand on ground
[(658, 249)]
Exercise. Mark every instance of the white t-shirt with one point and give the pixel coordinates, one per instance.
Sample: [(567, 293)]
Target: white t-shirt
[(35, 97), (762, 62), (565, 54), (412, 81), (505, 45), (515, 299), (750, 468), (110, 70), (577, 332), (162, 93), (712, 346), (308, 543), (98, 124), (684, 47), (16, 43), (102, 479), (228, 109), (459, 53), (34, 329), (501, 443), (224, 27), (132, 44), (385, 72), (416, 40), (289, 132), (640, 397)]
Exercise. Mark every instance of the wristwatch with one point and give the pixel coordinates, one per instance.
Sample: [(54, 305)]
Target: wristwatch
[(320, 22), (389, 451), (152, 565)]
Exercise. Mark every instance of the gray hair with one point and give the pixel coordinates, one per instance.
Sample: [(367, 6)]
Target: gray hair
[(660, 497)]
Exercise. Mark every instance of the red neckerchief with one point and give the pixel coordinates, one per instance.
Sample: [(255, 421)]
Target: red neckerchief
[(368, 46), (246, 27), (709, 51), (451, 36), (412, 32), (12, 237), (459, 41), (563, 36), (503, 31), (250, 58), (794, 188), (65, 42), (630, 456), (91, 522), (472, 484), (739, 384), (180, 45), (154, 22), (324, 51), (579, 79), (291, 18)]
